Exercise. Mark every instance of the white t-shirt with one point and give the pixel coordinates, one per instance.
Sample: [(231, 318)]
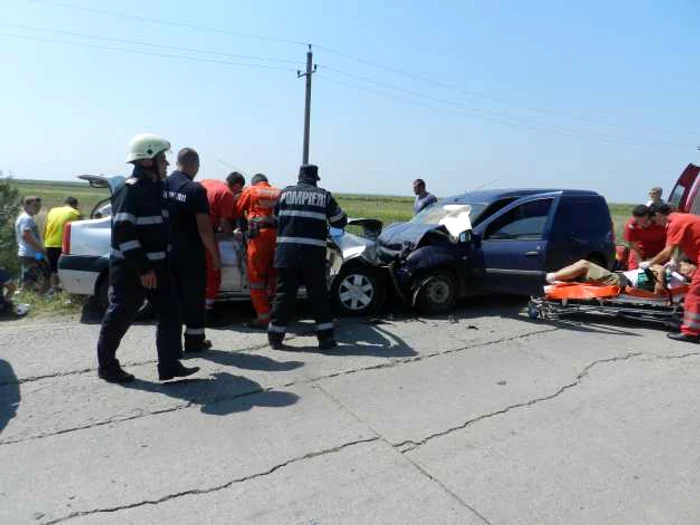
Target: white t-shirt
[(25, 222), (633, 277), (650, 202)]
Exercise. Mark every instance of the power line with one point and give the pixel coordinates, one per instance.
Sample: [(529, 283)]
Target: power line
[(139, 18), (488, 112), (457, 88), (149, 44), (148, 53), (512, 123)]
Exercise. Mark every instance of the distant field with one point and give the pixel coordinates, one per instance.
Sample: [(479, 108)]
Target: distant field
[(386, 208)]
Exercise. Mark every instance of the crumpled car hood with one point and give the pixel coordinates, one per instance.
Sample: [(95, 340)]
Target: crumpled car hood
[(401, 233)]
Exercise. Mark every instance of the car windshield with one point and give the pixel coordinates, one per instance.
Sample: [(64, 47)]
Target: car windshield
[(437, 212)]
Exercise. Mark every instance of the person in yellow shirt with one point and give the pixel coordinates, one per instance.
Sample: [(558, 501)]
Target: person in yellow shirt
[(53, 233)]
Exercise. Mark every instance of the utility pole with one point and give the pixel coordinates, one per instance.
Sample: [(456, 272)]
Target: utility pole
[(310, 70)]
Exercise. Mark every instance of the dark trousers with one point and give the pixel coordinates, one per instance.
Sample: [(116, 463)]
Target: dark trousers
[(124, 302), (284, 303), (191, 276)]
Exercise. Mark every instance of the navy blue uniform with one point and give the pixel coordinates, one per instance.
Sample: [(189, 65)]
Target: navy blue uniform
[(303, 213), (140, 243), (186, 199)]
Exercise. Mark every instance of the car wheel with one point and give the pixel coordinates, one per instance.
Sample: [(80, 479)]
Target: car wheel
[(435, 293), (357, 291)]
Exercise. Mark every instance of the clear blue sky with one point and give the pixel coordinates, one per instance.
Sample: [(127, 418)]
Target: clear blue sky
[(595, 95)]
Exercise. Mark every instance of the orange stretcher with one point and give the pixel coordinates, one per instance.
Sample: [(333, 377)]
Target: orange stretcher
[(564, 299)]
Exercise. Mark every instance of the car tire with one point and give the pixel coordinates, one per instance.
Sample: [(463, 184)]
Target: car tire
[(145, 311), (436, 293), (357, 290)]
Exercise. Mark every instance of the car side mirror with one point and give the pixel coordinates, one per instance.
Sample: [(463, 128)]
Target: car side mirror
[(465, 236)]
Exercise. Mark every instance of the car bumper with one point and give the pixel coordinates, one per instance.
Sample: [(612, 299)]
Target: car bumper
[(79, 273)]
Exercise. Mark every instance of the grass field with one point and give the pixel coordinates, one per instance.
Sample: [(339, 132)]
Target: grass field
[(386, 208)]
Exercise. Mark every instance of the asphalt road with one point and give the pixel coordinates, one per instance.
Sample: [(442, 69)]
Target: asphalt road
[(483, 417)]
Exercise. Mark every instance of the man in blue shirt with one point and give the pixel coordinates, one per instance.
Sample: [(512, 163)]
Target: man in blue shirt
[(423, 198)]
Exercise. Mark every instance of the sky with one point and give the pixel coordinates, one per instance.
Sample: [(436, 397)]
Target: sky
[(465, 94)]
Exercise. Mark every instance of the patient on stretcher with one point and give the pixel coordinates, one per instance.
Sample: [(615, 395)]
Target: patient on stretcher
[(587, 272)]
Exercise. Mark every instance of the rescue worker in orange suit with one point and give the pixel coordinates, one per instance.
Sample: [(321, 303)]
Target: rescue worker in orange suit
[(257, 204), (645, 237), (682, 234), (222, 197)]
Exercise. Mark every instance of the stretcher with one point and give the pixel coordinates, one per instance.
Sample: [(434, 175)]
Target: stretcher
[(565, 299)]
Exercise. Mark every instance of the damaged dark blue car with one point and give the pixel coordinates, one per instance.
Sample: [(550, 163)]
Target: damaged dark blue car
[(500, 241)]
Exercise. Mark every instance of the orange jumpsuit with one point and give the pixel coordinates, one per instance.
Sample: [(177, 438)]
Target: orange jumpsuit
[(683, 230), (221, 206), (258, 204)]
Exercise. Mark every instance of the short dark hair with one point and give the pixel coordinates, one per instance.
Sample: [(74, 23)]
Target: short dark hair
[(71, 201), (30, 199), (258, 178), (663, 209), (235, 178), (420, 182), (640, 211), (187, 156)]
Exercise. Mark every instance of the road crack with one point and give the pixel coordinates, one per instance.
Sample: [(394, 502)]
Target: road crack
[(216, 488), (226, 398), (409, 445)]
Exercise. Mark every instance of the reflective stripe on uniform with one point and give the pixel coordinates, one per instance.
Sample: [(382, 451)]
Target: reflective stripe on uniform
[(155, 256), (276, 329), (115, 252), (129, 245), (257, 286), (325, 326), (194, 331), (691, 315), (165, 213), (124, 217), (305, 214), (301, 240), (154, 219), (337, 216)]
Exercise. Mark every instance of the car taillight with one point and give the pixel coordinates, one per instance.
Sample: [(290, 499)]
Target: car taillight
[(65, 245)]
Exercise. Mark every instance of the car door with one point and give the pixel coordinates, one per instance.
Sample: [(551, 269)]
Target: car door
[(512, 246), (685, 196)]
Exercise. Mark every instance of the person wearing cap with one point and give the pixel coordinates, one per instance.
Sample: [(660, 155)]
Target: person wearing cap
[(303, 213), (193, 237), (139, 265), (257, 205), (682, 235)]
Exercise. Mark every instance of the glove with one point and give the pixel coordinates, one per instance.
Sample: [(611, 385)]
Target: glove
[(644, 265)]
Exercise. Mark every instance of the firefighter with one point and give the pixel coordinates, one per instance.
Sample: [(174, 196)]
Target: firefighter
[(682, 234), (222, 197), (139, 266), (257, 204), (193, 235), (303, 213)]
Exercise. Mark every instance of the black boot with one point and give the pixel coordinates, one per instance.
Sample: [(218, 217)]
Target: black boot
[(196, 345), (115, 374), (680, 336), (327, 344), (275, 342), (175, 370)]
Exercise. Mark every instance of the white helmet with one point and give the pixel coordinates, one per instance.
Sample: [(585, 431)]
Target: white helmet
[(146, 146)]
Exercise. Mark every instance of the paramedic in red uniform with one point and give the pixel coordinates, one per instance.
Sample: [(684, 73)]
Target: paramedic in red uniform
[(682, 234), (645, 237), (221, 196), (257, 204)]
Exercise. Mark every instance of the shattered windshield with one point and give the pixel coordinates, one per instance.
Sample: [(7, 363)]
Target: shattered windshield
[(437, 212)]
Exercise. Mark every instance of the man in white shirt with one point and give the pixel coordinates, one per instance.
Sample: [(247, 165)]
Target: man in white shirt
[(30, 248), (655, 196)]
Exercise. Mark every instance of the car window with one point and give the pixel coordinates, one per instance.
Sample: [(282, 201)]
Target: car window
[(526, 221), (675, 198), (491, 209)]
